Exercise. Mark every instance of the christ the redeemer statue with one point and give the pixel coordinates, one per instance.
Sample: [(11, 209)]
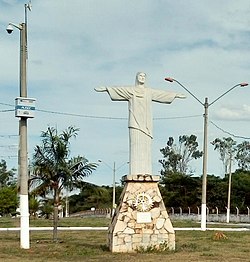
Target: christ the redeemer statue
[(140, 99)]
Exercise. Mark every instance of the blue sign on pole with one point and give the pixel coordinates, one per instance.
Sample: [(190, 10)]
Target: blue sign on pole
[(25, 107)]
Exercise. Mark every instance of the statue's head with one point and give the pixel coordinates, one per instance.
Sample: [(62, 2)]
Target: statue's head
[(140, 78)]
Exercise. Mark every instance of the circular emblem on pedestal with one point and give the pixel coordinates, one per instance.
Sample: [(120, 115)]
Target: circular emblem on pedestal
[(143, 202)]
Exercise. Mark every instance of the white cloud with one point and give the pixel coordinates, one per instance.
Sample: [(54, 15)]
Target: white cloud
[(234, 114)]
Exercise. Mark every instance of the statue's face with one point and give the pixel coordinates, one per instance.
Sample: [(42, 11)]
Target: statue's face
[(141, 78)]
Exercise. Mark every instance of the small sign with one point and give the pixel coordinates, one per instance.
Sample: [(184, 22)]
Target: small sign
[(143, 217), (25, 107)]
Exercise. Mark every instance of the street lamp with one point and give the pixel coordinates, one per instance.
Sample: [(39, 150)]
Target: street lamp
[(114, 174), (205, 134), (22, 152)]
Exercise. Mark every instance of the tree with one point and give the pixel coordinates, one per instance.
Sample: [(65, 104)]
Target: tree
[(34, 206), (6, 176), (46, 208), (227, 150), (181, 190), (241, 190), (8, 200), (243, 156), (216, 192), (53, 170), (93, 196), (8, 190), (100, 198), (178, 156)]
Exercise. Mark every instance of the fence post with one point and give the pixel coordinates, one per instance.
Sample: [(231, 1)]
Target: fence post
[(217, 213), (198, 210), (237, 211), (207, 214)]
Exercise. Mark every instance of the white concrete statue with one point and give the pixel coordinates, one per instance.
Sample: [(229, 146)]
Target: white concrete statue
[(140, 99)]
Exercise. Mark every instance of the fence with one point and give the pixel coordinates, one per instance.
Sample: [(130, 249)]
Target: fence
[(213, 215), (104, 212)]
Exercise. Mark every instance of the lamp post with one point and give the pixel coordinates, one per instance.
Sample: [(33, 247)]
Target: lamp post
[(114, 169), (22, 152), (205, 105)]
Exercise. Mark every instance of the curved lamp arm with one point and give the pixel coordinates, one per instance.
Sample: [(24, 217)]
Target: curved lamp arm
[(169, 79), (241, 84)]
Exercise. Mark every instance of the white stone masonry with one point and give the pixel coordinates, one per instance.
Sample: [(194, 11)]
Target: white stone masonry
[(141, 220)]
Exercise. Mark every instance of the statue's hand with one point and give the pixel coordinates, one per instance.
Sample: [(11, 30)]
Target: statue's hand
[(180, 96), (101, 89)]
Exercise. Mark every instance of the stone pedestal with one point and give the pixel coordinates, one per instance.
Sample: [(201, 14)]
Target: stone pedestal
[(141, 220)]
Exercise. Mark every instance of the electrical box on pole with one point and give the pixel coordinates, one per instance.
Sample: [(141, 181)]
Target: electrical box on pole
[(25, 107)]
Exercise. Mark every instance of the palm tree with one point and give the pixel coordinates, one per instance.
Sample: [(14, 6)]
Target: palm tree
[(53, 171), (34, 205)]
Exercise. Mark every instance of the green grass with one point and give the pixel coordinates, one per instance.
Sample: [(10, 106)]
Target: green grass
[(91, 245), (65, 222)]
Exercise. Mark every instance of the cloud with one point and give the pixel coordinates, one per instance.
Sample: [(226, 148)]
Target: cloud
[(233, 114)]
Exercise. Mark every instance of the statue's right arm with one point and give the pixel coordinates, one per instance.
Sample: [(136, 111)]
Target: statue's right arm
[(101, 89)]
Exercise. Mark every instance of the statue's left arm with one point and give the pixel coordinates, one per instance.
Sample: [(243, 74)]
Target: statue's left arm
[(116, 93), (182, 96), (162, 96), (120, 93)]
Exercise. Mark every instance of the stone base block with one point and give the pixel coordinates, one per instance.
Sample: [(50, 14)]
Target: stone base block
[(141, 220)]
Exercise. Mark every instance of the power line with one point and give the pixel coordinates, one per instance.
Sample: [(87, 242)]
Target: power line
[(80, 115), (108, 117), (8, 136), (4, 104), (14, 156), (229, 133), (125, 118), (6, 110), (176, 117), (67, 114), (9, 146), (98, 117)]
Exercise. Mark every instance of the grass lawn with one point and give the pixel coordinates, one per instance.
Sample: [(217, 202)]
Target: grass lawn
[(91, 245)]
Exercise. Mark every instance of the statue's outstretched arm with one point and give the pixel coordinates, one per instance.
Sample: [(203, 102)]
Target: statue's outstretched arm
[(180, 96), (101, 89)]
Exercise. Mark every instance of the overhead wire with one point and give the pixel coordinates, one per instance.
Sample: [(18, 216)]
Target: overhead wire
[(229, 133), (97, 117), (125, 118)]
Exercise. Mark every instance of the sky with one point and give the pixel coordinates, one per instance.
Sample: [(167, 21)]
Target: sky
[(75, 46)]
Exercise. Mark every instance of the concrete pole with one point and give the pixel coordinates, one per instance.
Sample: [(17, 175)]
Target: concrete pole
[(204, 172), (229, 188), (23, 152), (113, 202)]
